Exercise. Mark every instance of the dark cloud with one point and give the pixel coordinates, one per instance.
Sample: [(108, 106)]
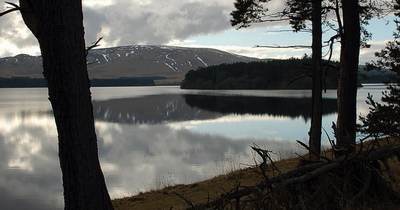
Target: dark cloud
[(126, 23), (93, 20)]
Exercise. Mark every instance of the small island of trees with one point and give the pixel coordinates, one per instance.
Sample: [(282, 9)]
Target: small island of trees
[(274, 74)]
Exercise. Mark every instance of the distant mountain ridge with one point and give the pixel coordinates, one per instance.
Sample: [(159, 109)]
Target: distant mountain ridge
[(130, 61)]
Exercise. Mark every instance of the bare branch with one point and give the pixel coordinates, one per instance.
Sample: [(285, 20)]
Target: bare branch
[(389, 169), (316, 154), (300, 77), (12, 4), (292, 46), (330, 43), (93, 62), (186, 200), (14, 8), (96, 44), (290, 30), (264, 154), (339, 20)]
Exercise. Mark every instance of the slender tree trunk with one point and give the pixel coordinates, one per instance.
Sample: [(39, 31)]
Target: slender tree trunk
[(316, 120), (58, 26), (347, 91)]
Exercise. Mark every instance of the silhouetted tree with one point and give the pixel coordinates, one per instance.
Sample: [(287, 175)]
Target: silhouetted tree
[(383, 120), (349, 31), (316, 120), (58, 26), (347, 91), (297, 12)]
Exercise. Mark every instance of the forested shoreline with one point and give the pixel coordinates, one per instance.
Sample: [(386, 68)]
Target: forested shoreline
[(274, 74), (21, 82)]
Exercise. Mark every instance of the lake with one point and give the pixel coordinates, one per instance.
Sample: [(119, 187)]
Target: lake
[(151, 137)]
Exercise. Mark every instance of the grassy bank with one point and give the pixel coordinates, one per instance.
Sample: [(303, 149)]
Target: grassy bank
[(178, 196), (197, 192)]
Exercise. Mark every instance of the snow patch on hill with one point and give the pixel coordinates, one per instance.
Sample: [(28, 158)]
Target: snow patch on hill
[(170, 67), (202, 61)]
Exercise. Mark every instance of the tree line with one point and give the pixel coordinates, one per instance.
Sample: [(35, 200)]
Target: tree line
[(273, 74), (21, 82)]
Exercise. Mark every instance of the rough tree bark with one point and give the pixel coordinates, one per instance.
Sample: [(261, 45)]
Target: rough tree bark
[(347, 90), (58, 26), (316, 120)]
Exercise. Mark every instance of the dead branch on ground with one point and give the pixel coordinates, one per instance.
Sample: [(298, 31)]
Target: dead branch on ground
[(330, 184)]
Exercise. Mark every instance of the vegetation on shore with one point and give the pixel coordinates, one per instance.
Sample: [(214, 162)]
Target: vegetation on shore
[(274, 74), (199, 192), (183, 196), (18, 82)]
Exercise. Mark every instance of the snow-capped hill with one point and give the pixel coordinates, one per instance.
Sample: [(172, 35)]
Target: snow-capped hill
[(130, 61), (21, 65)]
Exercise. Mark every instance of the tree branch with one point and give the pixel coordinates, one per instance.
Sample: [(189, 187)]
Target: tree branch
[(339, 20), (316, 154), (14, 8), (300, 77), (96, 44), (186, 200), (306, 173), (330, 43), (292, 46)]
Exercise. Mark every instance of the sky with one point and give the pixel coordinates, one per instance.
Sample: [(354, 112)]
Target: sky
[(186, 23)]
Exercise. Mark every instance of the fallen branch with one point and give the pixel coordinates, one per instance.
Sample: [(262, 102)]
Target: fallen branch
[(278, 189)]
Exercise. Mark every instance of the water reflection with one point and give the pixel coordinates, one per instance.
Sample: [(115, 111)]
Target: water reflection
[(144, 142), (133, 157), (158, 152), (29, 163), (272, 106), (149, 110), (175, 108)]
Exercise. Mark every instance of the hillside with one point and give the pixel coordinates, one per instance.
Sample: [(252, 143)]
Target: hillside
[(130, 61)]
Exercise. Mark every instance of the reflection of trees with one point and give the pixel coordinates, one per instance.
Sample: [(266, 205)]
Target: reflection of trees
[(150, 110), (275, 106), (172, 108)]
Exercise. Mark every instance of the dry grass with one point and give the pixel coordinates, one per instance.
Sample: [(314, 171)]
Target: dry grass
[(200, 192)]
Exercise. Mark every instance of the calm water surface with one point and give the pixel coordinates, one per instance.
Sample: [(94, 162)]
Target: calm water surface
[(151, 137)]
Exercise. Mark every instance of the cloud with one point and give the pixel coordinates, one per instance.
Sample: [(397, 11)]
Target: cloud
[(368, 54), (15, 37), (128, 22), (156, 23)]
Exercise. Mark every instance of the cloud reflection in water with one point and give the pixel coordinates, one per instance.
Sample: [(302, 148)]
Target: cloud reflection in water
[(177, 143), (134, 157), (154, 151), (31, 175)]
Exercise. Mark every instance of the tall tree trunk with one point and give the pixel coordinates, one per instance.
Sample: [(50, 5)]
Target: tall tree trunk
[(58, 26), (316, 120), (347, 90)]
